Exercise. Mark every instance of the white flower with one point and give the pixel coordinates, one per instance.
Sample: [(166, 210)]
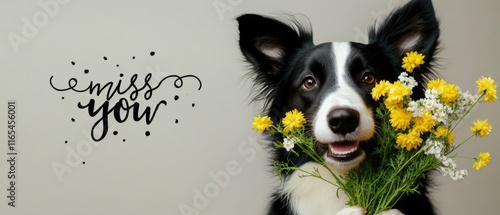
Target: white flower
[(290, 143), (407, 81), (448, 167), (448, 162), (440, 113), (431, 94), (443, 170), (415, 108), (465, 101), (433, 147), (468, 98), (429, 104), (459, 175)]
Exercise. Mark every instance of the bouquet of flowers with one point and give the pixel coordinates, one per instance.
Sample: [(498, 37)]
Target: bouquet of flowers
[(414, 137)]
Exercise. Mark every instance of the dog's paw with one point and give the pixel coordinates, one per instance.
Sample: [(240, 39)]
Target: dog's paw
[(391, 212), (354, 210)]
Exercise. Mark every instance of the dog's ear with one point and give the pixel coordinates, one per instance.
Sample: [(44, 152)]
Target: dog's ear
[(270, 45), (267, 43), (413, 27)]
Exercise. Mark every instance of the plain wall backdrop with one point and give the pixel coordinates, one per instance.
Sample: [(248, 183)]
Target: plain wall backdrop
[(200, 154)]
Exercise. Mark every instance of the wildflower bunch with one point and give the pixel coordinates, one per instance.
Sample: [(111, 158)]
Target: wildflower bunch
[(415, 137), (427, 124)]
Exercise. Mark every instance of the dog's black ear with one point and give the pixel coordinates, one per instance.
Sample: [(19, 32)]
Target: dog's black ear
[(270, 45), (413, 27), (267, 43)]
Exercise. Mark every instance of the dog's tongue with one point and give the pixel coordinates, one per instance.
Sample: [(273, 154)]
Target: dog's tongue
[(343, 147)]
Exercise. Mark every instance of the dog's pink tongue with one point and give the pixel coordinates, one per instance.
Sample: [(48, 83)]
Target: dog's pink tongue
[(343, 147)]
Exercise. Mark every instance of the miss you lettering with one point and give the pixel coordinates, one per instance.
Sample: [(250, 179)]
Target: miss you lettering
[(129, 91)]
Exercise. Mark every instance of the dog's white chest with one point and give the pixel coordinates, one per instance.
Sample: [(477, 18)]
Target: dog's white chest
[(313, 196)]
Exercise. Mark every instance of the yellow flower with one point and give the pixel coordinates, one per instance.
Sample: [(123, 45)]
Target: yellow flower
[(400, 118), (397, 92), (481, 128), (410, 141), (488, 87), (261, 123), (441, 131), (482, 160), (449, 93), (293, 119), (424, 123), (393, 105), (380, 89), (450, 139), (436, 84), (412, 60)]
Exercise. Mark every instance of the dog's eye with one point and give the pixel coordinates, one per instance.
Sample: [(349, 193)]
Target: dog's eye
[(369, 78), (309, 83)]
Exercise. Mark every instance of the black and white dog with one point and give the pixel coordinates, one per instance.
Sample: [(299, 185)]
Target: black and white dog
[(331, 84)]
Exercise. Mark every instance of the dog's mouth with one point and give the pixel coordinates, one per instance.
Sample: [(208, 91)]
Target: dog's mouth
[(344, 151), (345, 154)]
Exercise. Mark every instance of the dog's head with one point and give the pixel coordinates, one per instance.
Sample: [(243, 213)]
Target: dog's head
[(331, 82)]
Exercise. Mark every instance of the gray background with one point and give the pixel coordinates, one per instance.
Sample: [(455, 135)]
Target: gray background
[(178, 163)]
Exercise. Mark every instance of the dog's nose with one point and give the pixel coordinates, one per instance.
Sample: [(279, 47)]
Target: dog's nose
[(343, 120)]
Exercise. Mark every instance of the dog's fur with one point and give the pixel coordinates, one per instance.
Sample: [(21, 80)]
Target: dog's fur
[(331, 84)]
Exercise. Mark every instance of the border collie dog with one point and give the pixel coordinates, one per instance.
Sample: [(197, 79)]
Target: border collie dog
[(331, 84)]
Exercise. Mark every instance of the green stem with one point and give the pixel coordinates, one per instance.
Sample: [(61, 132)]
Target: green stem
[(387, 200), (319, 160), (468, 111), (311, 174), (467, 157), (456, 147), (310, 151), (308, 148), (406, 163)]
